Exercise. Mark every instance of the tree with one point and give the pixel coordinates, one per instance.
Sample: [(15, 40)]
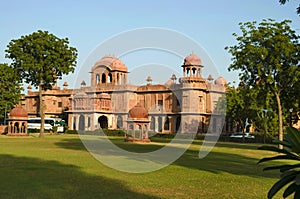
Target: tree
[(10, 89), (40, 59), (267, 57), (284, 1)]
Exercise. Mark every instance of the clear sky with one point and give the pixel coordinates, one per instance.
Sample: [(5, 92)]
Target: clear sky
[(91, 22)]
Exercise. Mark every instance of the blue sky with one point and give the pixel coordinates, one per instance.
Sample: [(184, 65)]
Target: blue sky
[(91, 22)]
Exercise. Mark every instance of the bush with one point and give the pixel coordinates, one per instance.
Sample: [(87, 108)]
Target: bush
[(71, 132), (108, 132), (33, 131), (290, 171)]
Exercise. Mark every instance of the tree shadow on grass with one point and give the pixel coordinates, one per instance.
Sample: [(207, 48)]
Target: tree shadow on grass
[(215, 162), (34, 178)]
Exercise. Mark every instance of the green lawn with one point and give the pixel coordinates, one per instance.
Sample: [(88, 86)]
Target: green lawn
[(58, 166)]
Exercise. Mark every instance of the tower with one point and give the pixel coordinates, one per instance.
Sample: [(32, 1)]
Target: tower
[(193, 94)]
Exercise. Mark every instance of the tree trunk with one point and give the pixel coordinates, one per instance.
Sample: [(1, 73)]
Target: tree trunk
[(280, 131), (42, 113)]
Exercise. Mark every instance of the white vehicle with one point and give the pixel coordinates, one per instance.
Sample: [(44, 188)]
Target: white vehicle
[(35, 123), (240, 135)]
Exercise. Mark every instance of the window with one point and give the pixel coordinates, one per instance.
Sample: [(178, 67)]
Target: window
[(103, 78), (160, 103), (59, 104)]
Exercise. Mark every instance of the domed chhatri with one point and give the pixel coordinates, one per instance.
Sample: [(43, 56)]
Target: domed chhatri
[(193, 60), (113, 63), (18, 111), (138, 112), (17, 122), (220, 81), (137, 125)]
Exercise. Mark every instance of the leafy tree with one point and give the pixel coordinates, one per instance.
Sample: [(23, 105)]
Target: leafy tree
[(284, 1), (267, 57), (10, 89), (40, 58), (290, 173)]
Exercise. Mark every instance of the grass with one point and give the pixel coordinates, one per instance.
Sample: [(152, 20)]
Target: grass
[(59, 166)]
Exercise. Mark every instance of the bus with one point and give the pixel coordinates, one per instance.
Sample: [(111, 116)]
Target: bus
[(35, 123)]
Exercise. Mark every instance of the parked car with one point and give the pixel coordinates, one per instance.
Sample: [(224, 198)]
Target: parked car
[(240, 135)]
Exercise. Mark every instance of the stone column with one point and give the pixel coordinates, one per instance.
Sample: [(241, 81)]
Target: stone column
[(156, 124), (77, 122)]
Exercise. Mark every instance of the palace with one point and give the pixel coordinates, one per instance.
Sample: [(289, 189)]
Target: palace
[(172, 107)]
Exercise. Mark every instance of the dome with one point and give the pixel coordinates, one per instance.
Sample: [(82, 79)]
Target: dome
[(65, 84), (83, 83), (18, 111), (112, 62), (192, 59), (220, 81), (138, 112), (118, 65), (210, 78)]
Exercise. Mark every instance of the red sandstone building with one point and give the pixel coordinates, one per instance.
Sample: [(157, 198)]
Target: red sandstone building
[(172, 107)]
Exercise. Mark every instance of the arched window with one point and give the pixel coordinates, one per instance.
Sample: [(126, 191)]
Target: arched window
[(103, 78), (74, 123), (152, 125), (119, 122), (97, 79), (118, 78), (178, 123), (187, 72), (121, 79), (103, 121), (89, 122), (167, 124), (81, 123), (131, 127), (194, 71), (159, 124), (109, 78), (23, 128), (17, 130)]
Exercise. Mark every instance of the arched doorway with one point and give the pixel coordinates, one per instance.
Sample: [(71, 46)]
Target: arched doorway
[(159, 124), (152, 124), (102, 120), (178, 123), (81, 123), (119, 122), (17, 130), (167, 124)]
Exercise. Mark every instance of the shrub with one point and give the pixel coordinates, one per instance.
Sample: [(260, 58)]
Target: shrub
[(109, 132), (71, 132), (290, 173)]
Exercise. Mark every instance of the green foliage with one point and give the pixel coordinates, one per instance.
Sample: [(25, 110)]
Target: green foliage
[(267, 56), (290, 173), (109, 132), (10, 89), (41, 58), (71, 132)]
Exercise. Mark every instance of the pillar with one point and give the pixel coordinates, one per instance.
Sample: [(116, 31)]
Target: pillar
[(156, 124)]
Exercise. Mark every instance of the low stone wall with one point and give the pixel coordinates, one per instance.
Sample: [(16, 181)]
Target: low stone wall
[(3, 129)]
